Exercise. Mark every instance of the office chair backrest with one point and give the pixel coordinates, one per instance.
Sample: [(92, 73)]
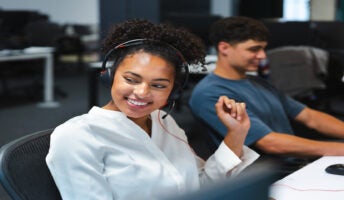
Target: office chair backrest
[(303, 74), (23, 170)]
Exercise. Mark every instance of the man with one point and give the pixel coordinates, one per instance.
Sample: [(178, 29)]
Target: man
[(240, 43)]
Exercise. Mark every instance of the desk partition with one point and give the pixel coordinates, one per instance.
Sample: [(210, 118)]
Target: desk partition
[(32, 53)]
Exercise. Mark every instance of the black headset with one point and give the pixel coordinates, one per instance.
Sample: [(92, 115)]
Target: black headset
[(107, 73)]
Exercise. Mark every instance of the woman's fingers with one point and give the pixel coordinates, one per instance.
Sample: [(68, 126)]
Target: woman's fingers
[(230, 106), (241, 111), (228, 109)]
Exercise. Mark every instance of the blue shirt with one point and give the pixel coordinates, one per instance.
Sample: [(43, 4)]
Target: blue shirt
[(269, 110)]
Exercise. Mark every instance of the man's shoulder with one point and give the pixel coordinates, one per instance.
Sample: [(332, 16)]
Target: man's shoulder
[(257, 80), (203, 84), (209, 82), (203, 92)]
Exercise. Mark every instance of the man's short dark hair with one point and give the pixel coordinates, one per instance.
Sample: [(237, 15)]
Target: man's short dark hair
[(237, 29)]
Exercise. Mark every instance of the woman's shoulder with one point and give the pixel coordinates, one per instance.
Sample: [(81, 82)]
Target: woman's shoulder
[(74, 130), (81, 124)]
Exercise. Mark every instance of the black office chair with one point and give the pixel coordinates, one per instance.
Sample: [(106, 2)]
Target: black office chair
[(23, 171)]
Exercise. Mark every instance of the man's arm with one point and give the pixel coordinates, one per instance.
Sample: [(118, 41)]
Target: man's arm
[(321, 122), (285, 144)]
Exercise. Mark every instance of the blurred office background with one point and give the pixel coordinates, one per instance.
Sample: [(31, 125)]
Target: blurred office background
[(74, 29)]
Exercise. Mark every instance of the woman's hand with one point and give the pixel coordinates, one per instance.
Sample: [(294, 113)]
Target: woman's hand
[(234, 116)]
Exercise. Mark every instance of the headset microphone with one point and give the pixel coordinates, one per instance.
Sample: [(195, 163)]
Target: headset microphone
[(170, 107)]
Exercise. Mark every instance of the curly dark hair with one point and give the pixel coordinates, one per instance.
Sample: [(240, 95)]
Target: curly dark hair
[(176, 45), (190, 46), (237, 29)]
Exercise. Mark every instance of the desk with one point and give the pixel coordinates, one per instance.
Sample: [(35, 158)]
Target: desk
[(32, 53), (311, 182)]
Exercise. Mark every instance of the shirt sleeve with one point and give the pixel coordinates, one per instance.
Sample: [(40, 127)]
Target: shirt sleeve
[(76, 166), (291, 106), (258, 129), (224, 163)]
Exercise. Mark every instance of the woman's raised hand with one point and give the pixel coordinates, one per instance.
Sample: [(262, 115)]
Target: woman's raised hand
[(234, 116)]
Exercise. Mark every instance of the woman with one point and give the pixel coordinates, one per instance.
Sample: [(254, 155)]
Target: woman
[(129, 148)]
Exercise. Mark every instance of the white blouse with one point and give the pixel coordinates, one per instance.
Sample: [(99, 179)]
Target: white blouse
[(104, 155)]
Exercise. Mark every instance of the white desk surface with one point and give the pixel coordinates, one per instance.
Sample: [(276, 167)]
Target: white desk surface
[(311, 182), (30, 52)]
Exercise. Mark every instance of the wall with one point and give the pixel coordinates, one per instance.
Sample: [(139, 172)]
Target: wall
[(323, 10), (60, 11), (87, 11), (224, 8), (114, 11)]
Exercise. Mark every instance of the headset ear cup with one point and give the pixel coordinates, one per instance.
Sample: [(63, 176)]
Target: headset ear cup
[(175, 94), (106, 77)]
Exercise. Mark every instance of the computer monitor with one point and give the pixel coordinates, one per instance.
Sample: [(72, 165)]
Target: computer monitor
[(251, 184)]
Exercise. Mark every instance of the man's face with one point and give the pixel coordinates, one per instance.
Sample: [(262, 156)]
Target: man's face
[(246, 56)]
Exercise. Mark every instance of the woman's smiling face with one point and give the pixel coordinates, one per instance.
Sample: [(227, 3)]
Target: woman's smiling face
[(142, 83)]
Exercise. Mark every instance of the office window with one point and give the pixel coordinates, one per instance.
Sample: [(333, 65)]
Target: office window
[(296, 10)]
